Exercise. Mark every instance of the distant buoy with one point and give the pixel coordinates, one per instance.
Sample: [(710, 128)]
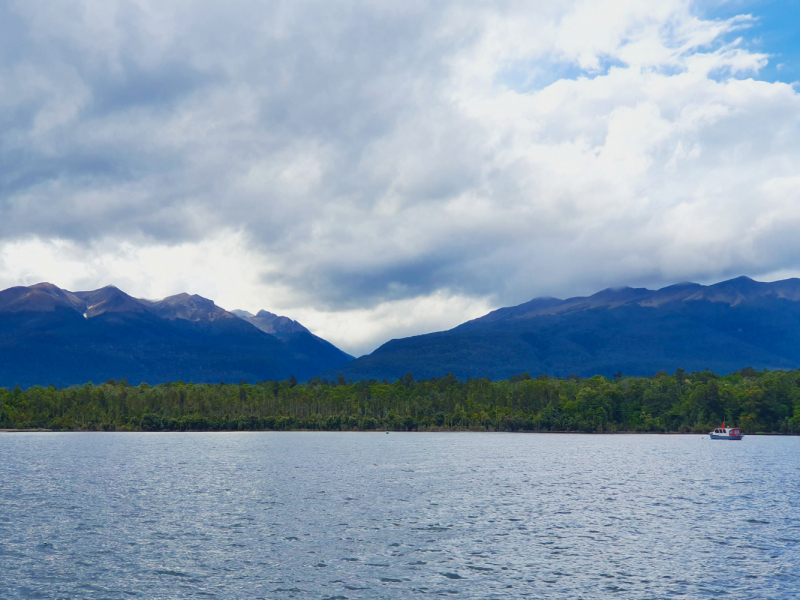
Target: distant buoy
[(387, 433)]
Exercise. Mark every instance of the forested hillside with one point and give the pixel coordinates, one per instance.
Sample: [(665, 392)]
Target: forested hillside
[(756, 401)]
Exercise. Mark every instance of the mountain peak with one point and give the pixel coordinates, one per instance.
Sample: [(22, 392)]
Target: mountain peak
[(109, 299), (190, 307), (271, 323), (41, 297), (46, 287), (739, 283), (242, 314), (617, 296)]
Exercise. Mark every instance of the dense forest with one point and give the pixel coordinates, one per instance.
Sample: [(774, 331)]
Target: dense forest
[(756, 401)]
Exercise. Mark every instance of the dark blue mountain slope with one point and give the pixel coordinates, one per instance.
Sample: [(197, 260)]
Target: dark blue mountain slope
[(723, 327), (48, 335)]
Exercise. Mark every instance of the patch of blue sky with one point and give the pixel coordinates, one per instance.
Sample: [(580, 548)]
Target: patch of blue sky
[(530, 76), (775, 31)]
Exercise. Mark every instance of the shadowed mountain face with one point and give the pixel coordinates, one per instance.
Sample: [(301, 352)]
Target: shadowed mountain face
[(49, 335), (723, 327), (290, 332)]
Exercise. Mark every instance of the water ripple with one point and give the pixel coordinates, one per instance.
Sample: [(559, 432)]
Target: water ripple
[(363, 516)]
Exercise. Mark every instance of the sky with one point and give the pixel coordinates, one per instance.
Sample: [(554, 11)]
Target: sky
[(383, 169)]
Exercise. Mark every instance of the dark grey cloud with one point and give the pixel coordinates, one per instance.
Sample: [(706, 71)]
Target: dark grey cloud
[(372, 152)]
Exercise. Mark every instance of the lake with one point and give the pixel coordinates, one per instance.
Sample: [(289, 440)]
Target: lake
[(404, 515)]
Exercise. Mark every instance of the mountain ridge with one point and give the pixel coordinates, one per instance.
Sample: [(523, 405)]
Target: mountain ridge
[(50, 335), (725, 326), (271, 323), (687, 291)]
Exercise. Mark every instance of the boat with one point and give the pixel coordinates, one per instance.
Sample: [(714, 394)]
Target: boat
[(726, 433)]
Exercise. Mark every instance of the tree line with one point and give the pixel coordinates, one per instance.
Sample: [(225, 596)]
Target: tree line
[(756, 401)]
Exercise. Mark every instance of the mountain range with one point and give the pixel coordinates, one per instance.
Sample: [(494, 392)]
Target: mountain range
[(636, 331), (53, 336), (50, 335)]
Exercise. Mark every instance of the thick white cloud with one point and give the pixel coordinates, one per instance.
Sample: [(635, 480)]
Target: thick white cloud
[(379, 169)]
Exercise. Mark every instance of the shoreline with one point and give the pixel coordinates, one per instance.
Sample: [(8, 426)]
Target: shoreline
[(384, 431)]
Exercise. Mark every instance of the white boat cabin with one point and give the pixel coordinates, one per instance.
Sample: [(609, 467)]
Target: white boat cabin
[(726, 433)]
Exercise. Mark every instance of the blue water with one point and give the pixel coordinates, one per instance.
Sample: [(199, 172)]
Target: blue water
[(370, 515)]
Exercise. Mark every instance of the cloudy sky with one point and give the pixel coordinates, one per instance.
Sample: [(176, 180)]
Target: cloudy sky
[(380, 169)]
